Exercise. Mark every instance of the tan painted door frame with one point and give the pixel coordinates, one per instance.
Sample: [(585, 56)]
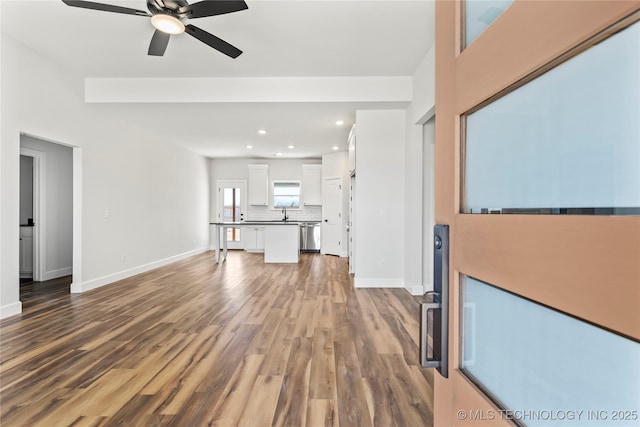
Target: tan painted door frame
[(528, 37)]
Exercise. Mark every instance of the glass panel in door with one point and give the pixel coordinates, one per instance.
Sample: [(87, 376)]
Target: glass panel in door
[(231, 208), (480, 14), (543, 367), (231, 212), (564, 143)]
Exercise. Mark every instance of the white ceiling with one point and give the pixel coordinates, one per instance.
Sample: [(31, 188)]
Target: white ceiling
[(279, 39)]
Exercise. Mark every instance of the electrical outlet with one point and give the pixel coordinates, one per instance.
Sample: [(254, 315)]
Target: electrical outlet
[(107, 214), (123, 258), (381, 263)]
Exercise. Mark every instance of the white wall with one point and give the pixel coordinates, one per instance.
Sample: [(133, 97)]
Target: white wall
[(418, 174), (279, 169), (57, 229), (155, 191), (380, 205), (336, 165), (9, 303)]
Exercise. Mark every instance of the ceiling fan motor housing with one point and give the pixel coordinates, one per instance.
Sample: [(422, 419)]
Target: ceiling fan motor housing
[(178, 9)]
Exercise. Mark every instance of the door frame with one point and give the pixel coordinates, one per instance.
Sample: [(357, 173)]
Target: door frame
[(528, 38), (226, 183), (77, 200), (39, 205)]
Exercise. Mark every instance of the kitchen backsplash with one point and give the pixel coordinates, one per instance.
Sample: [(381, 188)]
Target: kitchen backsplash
[(264, 213)]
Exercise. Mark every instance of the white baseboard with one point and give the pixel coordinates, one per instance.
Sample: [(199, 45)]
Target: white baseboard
[(77, 288), (378, 283), (10, 309), (54, 274), (415, 290)]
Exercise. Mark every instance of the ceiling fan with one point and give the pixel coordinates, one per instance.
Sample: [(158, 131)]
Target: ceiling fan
[(169, 17)]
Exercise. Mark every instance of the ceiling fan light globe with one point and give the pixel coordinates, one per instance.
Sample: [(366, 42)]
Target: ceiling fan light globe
[(167, 24)]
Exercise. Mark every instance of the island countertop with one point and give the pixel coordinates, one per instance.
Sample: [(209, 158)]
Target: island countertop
[(261, 223), (281, 243)]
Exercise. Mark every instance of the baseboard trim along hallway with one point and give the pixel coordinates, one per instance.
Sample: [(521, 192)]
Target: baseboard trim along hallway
[(77, 288)]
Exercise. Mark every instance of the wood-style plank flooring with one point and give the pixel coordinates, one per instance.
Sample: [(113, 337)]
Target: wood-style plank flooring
[(239, 343)]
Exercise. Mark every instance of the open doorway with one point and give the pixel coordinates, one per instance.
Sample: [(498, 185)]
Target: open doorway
[(27, 224), (46, 214)]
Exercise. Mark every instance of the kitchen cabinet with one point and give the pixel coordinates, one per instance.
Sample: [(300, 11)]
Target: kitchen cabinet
[(280, 240), (282, 244), (259, 185), (253, 238), (312, 185)]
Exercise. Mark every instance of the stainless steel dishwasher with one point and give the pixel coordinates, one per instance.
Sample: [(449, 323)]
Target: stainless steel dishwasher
[(309, 237)]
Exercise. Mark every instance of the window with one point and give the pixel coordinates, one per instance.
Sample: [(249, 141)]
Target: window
[(286, 194)]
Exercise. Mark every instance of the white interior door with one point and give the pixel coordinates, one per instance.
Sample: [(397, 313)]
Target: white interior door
[(332, 216), (232, 204)]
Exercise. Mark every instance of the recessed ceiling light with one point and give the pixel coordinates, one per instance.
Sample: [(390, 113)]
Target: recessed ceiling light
[(249, 146), (167, 24), (262, 131), (335, 147), (291, 147), (340, 122), (278, 154)]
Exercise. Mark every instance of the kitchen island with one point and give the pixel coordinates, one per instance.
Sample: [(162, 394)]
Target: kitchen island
[(281, 239)]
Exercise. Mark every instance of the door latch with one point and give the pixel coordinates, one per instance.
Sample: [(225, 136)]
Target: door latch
[(434, 316)]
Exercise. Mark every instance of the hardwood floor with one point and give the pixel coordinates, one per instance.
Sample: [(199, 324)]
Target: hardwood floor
[(34, 293), (239, 343)]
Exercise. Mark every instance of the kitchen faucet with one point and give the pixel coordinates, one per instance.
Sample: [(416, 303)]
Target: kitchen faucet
[(284, 213)]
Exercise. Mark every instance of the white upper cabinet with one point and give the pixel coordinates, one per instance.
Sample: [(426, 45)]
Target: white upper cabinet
[(311, 185), (352, 150), (259, 185)]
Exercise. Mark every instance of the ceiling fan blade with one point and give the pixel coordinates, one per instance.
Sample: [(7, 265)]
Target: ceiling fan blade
[(105, 7), (216, 7), (213, 41), (159, 43)]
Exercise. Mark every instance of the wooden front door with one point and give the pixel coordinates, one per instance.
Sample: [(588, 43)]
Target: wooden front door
[(543, 212)]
